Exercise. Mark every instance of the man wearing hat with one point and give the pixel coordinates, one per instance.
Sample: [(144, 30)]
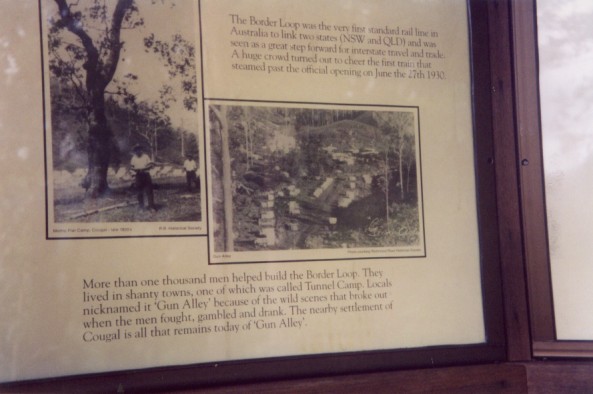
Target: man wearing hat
[(141, 164)]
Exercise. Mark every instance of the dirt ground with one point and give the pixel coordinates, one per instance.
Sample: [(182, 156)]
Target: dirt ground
[(173, 201)]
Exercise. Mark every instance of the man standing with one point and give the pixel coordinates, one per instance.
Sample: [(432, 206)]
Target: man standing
[(191, 167), (141, 164)]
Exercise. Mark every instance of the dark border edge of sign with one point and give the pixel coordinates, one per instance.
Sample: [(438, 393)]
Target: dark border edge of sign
[(261, 370)]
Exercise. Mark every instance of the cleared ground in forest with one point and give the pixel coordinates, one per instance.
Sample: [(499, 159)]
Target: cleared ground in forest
[(72, 204)]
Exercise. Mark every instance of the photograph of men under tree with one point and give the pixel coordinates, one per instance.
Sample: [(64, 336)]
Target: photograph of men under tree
[(313, 178), (121, 76)]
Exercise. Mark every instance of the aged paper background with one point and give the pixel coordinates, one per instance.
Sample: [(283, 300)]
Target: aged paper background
[(436, 299)]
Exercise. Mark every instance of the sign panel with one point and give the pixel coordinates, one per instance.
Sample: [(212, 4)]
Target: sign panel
[(258, 179)]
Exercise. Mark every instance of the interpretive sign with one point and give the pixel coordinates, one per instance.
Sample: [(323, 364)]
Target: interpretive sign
[(219, 180)]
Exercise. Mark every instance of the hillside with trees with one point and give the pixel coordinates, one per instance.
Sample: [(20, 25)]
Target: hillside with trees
[(303, 178)]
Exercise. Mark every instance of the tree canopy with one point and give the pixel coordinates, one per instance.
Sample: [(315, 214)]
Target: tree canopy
[(88, 42)]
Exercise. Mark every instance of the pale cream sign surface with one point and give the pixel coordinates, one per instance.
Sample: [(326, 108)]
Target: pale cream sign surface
[(335, 210)]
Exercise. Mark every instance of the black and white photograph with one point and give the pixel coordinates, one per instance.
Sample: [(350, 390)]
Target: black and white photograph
[(344, 180), (123, 122)]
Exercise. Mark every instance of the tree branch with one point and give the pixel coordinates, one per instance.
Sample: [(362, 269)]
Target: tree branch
[(217, 114), (73, 24), (122, 7)]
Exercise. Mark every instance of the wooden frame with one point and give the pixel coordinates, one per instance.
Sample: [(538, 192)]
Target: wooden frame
[(531, 178), (503, 21), (519, 313)]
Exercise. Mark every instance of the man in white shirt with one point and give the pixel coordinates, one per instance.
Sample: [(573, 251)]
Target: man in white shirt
[(140, 165), (191, 167)]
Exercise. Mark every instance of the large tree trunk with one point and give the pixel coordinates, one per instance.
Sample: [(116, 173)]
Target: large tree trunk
[(99, 156), (386, 189), (227, 182), (99, 73), (100, 140)]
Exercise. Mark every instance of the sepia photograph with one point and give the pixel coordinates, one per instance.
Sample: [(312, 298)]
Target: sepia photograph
[(294, 179), (122, 113)]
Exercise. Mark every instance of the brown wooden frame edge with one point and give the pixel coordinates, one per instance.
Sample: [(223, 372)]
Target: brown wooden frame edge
[(503, 23), (251, 371), (531, 173), (563, 349)]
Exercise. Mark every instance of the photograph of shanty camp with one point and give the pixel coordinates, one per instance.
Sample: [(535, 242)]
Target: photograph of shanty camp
[(286, 178)]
